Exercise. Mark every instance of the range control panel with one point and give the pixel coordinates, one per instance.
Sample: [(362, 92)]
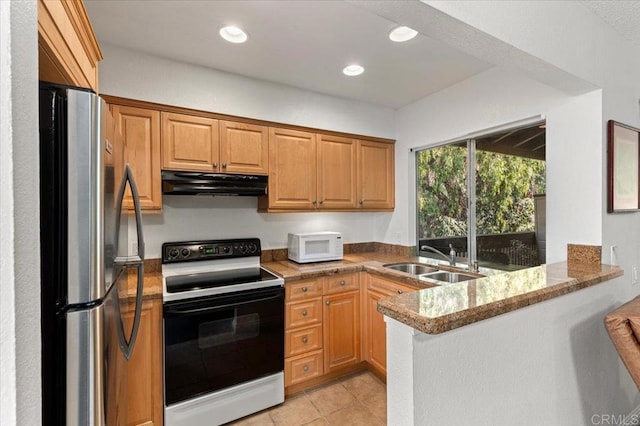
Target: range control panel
[(186, 251)]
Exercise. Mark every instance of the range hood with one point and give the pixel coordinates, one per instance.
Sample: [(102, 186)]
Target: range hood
[(199, 183)]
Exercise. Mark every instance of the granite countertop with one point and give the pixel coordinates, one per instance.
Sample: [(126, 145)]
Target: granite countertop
[(443, 308), (152, 286), (356, 262)]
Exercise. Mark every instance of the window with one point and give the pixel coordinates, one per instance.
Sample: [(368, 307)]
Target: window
[(484, 197)]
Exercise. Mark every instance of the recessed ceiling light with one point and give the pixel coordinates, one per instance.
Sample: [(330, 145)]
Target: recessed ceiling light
[(352, 70), (400, 34), (233, 34)]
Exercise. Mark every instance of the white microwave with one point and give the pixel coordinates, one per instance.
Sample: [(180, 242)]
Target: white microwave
[(315, 247)]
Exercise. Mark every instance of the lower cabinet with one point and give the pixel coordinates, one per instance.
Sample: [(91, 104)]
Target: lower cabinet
[(322, 327), (144, 369), (374, 327), (341, 330)]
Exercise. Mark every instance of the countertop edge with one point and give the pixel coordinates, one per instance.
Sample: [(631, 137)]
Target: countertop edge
[(388, 306)]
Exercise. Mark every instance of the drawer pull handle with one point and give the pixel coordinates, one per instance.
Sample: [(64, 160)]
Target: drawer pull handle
[(400, 291), (328, 302), (305, 368), (304, 289), (304, 313), (342, 282), (304, 339)]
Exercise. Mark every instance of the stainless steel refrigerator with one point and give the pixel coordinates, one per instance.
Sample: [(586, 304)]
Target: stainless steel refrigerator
[(85, 264)]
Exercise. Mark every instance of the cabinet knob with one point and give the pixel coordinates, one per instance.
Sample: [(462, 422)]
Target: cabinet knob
[(224, 165), (304, 289), (321, 201), (314, 202), (342, 282), (304, 313), (215, 165), (328, 302), (305, 368), (400, 291), (361, 202), (304, 339)]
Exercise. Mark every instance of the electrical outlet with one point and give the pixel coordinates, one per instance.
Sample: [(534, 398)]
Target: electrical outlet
[(634, 275), (134, 249), (613, 257)]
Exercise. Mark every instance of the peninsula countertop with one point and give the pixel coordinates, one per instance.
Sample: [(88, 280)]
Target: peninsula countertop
[(443, 308)]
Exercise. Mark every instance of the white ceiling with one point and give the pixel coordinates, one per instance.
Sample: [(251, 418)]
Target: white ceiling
[(622, 16), (300, 43), (306, 43)]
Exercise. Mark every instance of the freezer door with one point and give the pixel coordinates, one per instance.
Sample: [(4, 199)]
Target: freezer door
[(96, 367)]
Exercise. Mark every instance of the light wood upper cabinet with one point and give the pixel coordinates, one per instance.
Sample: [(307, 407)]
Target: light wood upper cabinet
[(144, 369), (376, 179), (139, 130), (244, 148), (189, 143), (341, 330), (336, 161), (292, 166), (349, 174), (68, 52)]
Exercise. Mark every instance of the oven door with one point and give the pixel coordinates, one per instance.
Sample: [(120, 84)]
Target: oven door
[(216, 342)]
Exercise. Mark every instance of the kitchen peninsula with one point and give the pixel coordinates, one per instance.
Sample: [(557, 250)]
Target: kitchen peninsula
[(440, 354)]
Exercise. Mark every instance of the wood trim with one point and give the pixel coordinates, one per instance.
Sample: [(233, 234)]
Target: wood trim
[(82, 25), (180, 110)]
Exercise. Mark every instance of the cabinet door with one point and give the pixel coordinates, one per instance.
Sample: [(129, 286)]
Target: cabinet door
[(139, 131), (189, 143), (376, 178), (376, 333), (144, 389), (341, 330), (292, 169), (336, 172), (244, 148)]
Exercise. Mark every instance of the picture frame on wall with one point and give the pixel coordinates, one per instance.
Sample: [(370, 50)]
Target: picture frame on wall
[(623, 169)]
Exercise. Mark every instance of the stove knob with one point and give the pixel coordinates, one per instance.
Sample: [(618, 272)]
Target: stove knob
[(173, 252), (253, 248), (185, 252), (226, 249), (244, 249)]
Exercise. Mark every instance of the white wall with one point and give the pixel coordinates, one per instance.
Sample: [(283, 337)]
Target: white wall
[(19, 216), (500, 96), (194, 217), (551, 363), (191, 86)]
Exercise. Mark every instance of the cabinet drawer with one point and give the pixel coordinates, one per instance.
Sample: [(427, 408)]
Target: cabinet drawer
[(342, 282), (306, 312), (386, 287), (304, 289), (302, 367), (302, 340)]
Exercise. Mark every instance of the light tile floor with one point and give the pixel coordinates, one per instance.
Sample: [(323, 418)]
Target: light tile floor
[(358, 399)]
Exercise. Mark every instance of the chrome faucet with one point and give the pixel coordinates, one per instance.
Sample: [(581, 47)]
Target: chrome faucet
[(452, 253)]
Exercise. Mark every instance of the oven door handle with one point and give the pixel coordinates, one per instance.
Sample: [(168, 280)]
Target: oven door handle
[(174, 311)]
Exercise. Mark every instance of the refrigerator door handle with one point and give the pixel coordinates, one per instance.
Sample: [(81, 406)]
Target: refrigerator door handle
[(127, 345), (128, 177)]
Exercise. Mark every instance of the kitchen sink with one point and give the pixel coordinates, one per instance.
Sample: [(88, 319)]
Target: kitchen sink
[(411, 268), (448, 277)]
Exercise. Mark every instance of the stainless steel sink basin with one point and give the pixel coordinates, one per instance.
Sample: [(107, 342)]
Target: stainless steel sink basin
[(411, 268), (448, 277)]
